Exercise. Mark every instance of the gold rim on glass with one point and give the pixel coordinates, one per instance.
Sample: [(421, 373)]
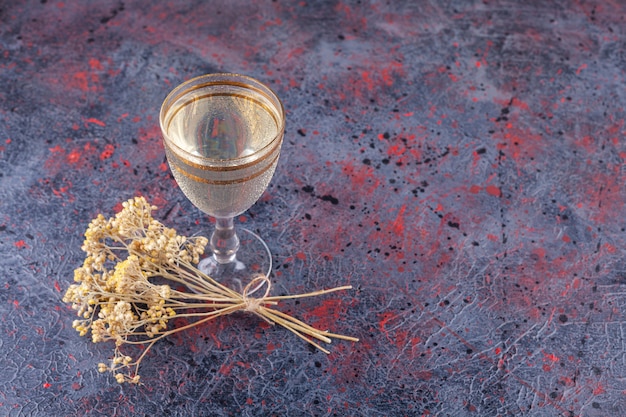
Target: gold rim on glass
[(224, 182)]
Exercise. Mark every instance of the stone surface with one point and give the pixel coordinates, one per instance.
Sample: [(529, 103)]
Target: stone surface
[(461, 164)]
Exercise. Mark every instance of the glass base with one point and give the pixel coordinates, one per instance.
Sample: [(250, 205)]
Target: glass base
[(253, 258)]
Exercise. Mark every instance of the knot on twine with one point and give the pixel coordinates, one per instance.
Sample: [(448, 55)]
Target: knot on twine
[(252, 304)]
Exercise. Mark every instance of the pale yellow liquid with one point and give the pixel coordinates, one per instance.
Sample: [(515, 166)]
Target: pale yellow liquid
[(223, 128)]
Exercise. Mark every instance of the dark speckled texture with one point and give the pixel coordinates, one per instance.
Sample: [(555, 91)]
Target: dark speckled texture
[(460, 163)]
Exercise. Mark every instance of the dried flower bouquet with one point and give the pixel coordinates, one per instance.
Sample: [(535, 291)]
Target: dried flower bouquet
[(129, 288)]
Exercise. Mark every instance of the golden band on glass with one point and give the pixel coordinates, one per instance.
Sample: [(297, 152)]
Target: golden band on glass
[(225, 182), (224, 168)]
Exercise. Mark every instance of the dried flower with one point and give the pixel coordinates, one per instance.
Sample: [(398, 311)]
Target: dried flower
[(123, 291)]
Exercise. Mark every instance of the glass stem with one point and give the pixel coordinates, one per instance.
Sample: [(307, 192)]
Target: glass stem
[(224, 241)]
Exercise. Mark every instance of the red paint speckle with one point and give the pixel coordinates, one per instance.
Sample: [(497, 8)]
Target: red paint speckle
[(539, 253), (326, 314), (398, 224), (396, 150), (56, 149), (226, 368), (272, 346), (95, 64), (362, 177), (84, 81), (108, 152), (21, 244), (95, 121), (493, 190), (74, 156), (367, 80), (46, 385), (599, 390), (387, 76), (551, 357)]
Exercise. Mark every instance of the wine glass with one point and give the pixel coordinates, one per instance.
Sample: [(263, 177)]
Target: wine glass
[(222, 135)]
